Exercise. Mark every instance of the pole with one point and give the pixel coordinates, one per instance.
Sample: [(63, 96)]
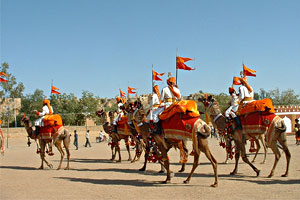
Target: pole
[(176, 65), (15, 113), (152, 81)]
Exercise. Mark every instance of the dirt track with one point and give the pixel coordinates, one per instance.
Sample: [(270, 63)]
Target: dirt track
[(94, 176)]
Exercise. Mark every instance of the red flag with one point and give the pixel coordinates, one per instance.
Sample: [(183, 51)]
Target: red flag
[(248, 72), (180, 63), (122, 94), (3, 74), (130, 90), (236, 81), (155, 75), (53, 90), (3, 80)]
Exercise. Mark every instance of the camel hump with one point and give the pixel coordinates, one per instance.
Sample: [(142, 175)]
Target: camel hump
[(53, 120), (258, 105)]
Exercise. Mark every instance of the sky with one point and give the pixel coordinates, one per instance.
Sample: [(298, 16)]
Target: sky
[(102, 46)]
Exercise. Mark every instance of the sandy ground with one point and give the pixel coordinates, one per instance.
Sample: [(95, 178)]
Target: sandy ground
[(94, 176)]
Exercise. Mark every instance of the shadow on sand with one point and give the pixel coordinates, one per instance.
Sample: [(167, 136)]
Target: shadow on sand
[(18, 168)]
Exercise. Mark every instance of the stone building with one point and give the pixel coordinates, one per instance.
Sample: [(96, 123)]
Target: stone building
[(288, 114)]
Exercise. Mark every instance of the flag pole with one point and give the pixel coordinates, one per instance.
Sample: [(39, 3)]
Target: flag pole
[(152, 81), (51, 87), (176, 65)]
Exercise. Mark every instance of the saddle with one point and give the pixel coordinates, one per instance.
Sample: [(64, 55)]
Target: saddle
[(53, 120), (188, 107), (264, 105)]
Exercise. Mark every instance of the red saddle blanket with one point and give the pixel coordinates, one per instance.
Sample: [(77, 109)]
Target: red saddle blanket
[(179, 126), (257, 122), (48, 132), (258, 105)]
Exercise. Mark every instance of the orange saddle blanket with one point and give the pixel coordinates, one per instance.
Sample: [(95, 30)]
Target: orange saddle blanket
[(53, 120), (258, 105), (188, 107)]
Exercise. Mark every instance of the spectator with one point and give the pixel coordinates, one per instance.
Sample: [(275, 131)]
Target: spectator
[(75, 139), (87, 137), (297, 130)]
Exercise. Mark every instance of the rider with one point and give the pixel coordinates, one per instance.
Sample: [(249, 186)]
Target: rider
[(46, 110), (169, 95), (234, 104), (246, 95), (154, 103), (120, 104)]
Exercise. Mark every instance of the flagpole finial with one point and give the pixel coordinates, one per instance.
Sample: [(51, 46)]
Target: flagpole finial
[(169, 74)]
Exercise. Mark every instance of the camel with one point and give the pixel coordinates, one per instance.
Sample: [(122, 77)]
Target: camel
[(225, 130), (115, 137), (200, 144), (59, 135), (275, 132)]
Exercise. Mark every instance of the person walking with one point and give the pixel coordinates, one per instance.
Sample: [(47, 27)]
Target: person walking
[(75, 139), (87, 137)]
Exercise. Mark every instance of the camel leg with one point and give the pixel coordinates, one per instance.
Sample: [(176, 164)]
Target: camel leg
[(195, 165), (118, 151), (184, 152), (246, 160), (282, 141), (43, 146), (61, 151), (113, 152), (66, 142), (257, 150), (128, 150), (277, 157), (147, 150), (166, 162), (265, 149), (236, 157), (214, 164)]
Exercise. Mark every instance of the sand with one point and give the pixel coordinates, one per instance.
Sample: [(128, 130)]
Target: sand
[(94, 176)]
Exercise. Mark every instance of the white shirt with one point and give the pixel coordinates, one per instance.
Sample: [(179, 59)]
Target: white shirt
[(45, 111), (244, 92), (119, 107), (154, 100), (87, 135), (166, 93)]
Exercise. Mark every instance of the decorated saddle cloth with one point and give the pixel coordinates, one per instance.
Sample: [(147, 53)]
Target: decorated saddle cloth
[(258, 105), (53, 120), (187, 107), (122, 126), (179, 127), (260, 123), (49, 132)]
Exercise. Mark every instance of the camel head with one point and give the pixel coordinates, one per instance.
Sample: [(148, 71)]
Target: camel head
[(206, 100), (140, 115), (27, 123)]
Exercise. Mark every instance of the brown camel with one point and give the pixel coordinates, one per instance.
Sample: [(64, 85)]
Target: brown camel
[(59, 136), (226, 132), (276, 133), (108, 117), (200, 144)]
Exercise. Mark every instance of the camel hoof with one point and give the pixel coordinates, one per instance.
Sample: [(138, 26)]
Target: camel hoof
[(142, 169), (118, 161), (67, 168), (182, 170), (129, 159), (284, 175), (161, 171), (263, 162), (166, 182), (232, 173), (186, 182), (214, 185), (270, 176), (258, 173)]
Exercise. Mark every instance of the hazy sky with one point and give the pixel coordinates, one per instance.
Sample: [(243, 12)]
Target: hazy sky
[(101, 46)]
